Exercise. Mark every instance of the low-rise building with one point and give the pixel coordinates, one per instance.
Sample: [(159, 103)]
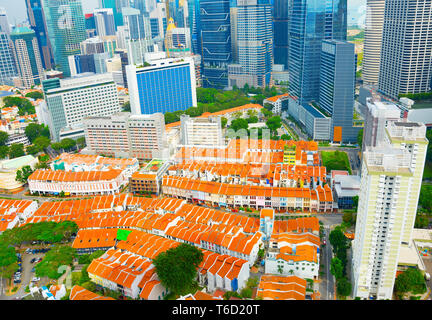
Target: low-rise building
[(273, 287), (279, 103), (201, 131), (15, 212), (345, 189), (149, 179), (8, 171)]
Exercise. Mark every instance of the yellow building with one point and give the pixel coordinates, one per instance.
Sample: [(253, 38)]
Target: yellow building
[(289, 156)]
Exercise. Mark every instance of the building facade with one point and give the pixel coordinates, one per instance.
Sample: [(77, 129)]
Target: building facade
[(201, 131), (164, 85), (69, 101), (104, 21), (7, 63), (36, 16), (216, 42), (406, 59), (389, 191), (280, 35), (27, 57), (337, 87), (66, 29)]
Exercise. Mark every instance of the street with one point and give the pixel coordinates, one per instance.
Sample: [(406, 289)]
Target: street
[(326, 286)]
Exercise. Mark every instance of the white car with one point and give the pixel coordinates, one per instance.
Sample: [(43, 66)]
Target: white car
[(35, 279)]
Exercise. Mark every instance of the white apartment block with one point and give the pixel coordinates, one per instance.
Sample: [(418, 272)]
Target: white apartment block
[(201, 131), (71, 100), (390, 185), (126, 135)]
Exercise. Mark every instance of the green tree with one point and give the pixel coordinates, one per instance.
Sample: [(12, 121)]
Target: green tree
[(337, 238), (81, 142), (126, 107), (4, 152), (285, 137), (8, 261), (360, 138), (252, 119), (177, 267), (42, 141), (266, 113), (34, 130), (68, 143), (16, 150), (56, 257), (274, 123), (224, 122), (421, 221), (3, 138), (411, 280), (246, 293), (336, 268), (344, 287), (33, 149), (24, 105), (238, 124), (35, 95), (23, 174)]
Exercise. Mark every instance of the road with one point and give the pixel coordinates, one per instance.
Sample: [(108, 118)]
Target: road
[(326, 287)]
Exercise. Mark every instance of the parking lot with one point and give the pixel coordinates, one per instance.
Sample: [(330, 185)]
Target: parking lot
[(25, 276)]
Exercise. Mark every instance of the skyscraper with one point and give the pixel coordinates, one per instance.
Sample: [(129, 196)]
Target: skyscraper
[(311, 22), (390, 185), (36, 16), (255, 44), (144, 6), (104, 20), (280, 34), (373, 40), (116, 6), (66, 29), (4, 22), (406, 53), (27, 57), (166, 85), (337, 85), (216, 42), (195, 25), (7, 63)]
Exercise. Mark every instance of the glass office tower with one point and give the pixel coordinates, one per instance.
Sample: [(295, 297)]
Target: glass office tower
[(311, 22), (66, 30), (216, 42), (7, 63), (37, 21), (280, 33), (195, 25)]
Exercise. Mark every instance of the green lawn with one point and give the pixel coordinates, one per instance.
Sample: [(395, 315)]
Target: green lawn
[(335, 160)]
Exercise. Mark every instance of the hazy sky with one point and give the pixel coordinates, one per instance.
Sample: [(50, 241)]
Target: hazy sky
[(16, 9)]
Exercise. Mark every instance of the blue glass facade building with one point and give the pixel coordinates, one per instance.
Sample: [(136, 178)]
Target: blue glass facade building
[(311, 22), (337, 85), (66, 30), (195, 25), (161, 88), (280, 33), (37, 21), (216, 42)]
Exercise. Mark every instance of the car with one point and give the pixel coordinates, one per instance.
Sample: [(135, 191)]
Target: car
[(33, 269), (324, 242), (33, 260), (35, 279), (20, 269), (17, 281)]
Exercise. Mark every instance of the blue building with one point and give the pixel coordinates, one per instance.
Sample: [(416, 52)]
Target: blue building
[(216, 42), (66, 30), (280, 33), (164, 85), (195, 25), (37, 21), (311, 22), (7, 64), (337, 87), (116, 6)]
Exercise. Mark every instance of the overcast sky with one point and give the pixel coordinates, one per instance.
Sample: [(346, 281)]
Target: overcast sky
[(16, 9)]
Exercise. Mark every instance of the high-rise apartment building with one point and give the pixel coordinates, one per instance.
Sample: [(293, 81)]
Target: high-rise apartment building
[(36, 16), (378, 115), (92, 46), (390, 185), (406, 53), (4, 22), (201, 131), (311, 22), (163, 85), (104, 21), (337, 87), (27, 57), (372, 41), (254, 43), (280, 35), (7, 63), (69, 101), (216, 42), (126, 135), (66, 29)]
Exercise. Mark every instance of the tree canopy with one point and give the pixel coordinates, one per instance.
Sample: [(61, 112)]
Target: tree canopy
[(3, 138), (35, 95), (411, 280), (56, 257), (34, 130), (16, 150), (177, 267), (23, 174), (23, 104), (238, 124), (336, 268)]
